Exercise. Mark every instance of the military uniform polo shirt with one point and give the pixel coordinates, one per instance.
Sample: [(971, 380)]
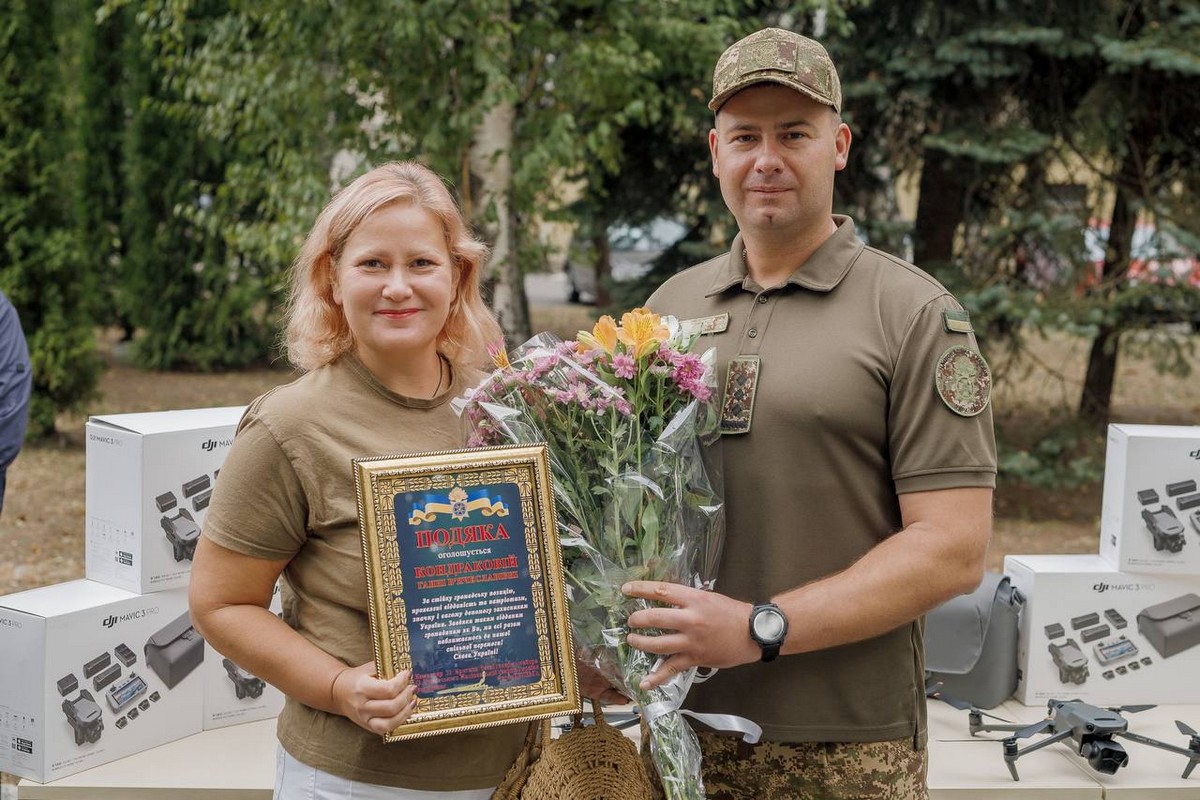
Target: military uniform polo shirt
[(857, 351)]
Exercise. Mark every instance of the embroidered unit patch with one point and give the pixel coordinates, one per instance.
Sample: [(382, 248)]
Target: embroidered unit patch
[(963, 380), (737, 406)]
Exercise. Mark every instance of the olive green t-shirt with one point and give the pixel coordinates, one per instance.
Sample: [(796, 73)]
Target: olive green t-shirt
[(846, 416), (286, 491)]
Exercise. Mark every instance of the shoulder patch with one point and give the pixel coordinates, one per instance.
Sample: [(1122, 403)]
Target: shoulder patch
[(963, 380), (957, 321)]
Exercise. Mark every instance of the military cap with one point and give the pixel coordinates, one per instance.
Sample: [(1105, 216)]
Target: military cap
[(773, 55)]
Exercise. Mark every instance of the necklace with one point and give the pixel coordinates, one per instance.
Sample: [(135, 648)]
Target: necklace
[(441, 360)]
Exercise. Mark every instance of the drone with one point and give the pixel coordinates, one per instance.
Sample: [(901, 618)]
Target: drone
[(1091, 729)]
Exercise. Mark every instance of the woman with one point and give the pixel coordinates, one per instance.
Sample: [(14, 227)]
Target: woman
[(386, 319)]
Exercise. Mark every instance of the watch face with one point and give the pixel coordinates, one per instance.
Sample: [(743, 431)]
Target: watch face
[(768, 625)]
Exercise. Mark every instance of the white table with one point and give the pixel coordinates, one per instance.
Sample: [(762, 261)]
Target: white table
[(238, 763), (235, 763)]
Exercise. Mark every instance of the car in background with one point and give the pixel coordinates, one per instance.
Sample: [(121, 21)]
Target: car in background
[(632, 251), (1155, 256)]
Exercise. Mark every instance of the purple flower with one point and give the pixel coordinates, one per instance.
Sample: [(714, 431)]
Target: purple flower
[(623, 365), (688, 370)]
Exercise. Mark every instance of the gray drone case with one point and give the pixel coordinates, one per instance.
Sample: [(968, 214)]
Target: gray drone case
[(175, 650), (971, 643), (1173, 626)]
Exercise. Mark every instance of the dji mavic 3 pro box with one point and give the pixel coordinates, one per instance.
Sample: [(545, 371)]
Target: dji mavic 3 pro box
[(149, 479), (76, 688), (1107, 637), (232, 694), (1150, 520)]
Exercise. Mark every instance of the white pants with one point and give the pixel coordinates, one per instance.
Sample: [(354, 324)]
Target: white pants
[(295, 780)]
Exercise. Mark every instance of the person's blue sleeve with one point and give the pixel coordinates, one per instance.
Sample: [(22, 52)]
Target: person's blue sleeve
[(16, 381)]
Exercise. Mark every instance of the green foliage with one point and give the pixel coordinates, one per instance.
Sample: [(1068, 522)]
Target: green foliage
[(99, 186), (986, 100), (40, 267), (287, 91), (994, 146), (206, 134), (202, 261), (1066, 458)]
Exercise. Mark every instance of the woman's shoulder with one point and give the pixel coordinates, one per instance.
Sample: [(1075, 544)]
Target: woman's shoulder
[(299, 401)]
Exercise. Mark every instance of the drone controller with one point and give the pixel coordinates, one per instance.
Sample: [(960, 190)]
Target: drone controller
[(124, 692), (1114, 650)]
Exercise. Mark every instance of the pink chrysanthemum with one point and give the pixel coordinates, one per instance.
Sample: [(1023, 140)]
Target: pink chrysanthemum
[(624, 366)]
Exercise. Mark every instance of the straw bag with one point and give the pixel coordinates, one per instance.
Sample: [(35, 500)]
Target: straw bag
[(593, 762)]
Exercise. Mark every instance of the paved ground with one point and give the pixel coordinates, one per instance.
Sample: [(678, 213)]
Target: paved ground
[(546, 288)]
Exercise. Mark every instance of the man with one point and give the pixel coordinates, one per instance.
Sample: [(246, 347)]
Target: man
[(16, 379), (858, 452)]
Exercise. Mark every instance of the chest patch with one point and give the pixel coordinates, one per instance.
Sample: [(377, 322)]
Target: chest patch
[(705, 325), (963, 380)]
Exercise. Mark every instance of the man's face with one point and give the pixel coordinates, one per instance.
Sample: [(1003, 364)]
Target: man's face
[(775, 151)]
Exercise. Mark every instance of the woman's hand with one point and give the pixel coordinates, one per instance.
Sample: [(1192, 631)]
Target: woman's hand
[(371, 703)]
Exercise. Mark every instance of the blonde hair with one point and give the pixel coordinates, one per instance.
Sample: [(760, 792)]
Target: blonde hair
[(316, 332)]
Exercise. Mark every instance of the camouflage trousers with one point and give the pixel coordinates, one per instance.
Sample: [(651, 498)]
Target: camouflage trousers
[(807, 770)]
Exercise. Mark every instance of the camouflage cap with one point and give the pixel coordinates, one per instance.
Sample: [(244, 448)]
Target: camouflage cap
[(773, 55)]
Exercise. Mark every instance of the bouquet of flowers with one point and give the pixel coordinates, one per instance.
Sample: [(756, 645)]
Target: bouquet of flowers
[(627, 412)]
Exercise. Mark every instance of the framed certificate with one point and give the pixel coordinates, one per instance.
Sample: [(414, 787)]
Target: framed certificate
[(465, 583)]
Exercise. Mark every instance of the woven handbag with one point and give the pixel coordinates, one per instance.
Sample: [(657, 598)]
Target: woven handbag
[(592, 762)]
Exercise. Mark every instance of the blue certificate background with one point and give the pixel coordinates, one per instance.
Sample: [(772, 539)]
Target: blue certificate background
[(472, 607)]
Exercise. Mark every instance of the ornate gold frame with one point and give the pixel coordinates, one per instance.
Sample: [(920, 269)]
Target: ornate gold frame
[(521, 473)]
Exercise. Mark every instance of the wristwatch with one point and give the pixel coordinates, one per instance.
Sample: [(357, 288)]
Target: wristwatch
[(768, 627)]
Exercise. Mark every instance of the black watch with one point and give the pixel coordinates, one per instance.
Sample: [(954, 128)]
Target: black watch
[(768, 627)]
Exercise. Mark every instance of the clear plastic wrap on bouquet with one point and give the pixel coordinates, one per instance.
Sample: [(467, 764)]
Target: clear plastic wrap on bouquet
[(628, 414)]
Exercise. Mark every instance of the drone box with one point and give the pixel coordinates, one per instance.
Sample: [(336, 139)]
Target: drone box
[(1104, 636), (149, 479), (76, 688), (1150, 518), (233, 695)]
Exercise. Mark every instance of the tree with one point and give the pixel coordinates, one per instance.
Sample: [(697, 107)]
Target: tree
[(100, 139), (1142, 119), (39, 266), (507, 97), (215, 207)]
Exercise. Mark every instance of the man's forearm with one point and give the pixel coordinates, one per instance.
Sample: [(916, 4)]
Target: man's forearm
[(904, 576)]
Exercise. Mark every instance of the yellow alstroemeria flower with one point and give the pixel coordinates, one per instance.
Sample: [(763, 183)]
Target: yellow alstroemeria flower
[(642, 331), (603, 336)]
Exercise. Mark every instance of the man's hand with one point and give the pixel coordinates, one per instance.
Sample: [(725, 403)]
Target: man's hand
[(595, 686), (703, 629), (374, 704)]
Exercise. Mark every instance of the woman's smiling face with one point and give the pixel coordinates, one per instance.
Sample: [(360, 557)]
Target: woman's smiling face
[(395, 281)]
